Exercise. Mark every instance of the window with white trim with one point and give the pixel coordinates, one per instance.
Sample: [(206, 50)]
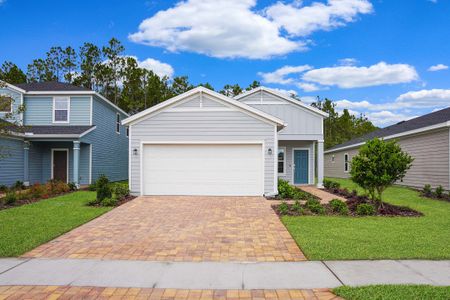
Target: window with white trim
[(281, 160), (61, 108), (118, 123), (346, 163), (6, 104)]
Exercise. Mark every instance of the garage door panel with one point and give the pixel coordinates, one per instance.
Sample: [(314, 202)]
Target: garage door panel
[(203, 169)]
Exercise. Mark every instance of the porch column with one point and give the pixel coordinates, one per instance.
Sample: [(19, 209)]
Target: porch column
[(26, 173), (320, 163), (76, 162)]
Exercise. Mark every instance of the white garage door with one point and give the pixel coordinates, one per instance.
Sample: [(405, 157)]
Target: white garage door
[(199, 169)]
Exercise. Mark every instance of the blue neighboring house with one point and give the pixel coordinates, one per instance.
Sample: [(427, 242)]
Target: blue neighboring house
[(71, 134)]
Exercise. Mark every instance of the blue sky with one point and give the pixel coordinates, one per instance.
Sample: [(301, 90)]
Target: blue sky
[(387, 59)]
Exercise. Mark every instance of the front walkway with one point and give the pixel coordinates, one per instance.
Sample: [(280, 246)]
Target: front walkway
[(324, 196), (180, 229)]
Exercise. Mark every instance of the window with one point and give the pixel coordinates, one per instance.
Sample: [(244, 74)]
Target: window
[(6, 104), (61, 108), (281, 160), (118, 123), (128, 131), (346, 162)]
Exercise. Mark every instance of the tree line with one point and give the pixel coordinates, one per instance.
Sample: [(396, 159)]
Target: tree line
[(108, 71)]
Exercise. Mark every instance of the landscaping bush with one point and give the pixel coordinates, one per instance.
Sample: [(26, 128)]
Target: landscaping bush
[(72, 186), (335, 185), (103, 188), (315, 207), (3, 188), (439, 192), (327, 183), (339, 206), (18, 185), (37, 191), (296, 207), (285, 190), (365, 209), (283, 208), (109, 202), (92, 187), (121, 191), (10, 198), (56, 187), (426, 191)]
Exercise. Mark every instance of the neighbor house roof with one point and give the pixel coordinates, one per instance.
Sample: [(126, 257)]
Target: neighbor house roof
[(209, 92), (282, 96), (434, 120), (50, 86)]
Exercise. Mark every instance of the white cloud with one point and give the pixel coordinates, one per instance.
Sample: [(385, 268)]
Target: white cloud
[(232, 28), (384, 118), (437, 67), (279, 75), (300, 20), (348, 61), (285, 92), (425, 98), (308, 87), (353, 77), (159, 68)]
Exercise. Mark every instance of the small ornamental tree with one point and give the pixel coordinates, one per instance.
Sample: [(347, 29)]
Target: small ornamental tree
[(379, 165)]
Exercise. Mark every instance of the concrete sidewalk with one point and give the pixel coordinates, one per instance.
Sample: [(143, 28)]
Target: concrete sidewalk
[(218, 275)]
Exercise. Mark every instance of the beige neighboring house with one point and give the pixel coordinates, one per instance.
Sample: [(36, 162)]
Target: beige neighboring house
[(426, 138)]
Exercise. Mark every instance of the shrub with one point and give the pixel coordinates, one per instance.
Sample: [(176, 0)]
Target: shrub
[(335, 185), (103, 188), (109, 202), (55, 187), (339, 206), (327, 183), (315, 207), (10, 198), (378, 165), (72, 186), (3, 188), (296, 207), (365, 209), (283, 208), (92, 187), (121, 191), (439, 191), (37, 191), (18, 185), (285, 190), (427, 190)]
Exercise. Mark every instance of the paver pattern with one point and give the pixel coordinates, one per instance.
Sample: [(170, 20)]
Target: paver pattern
[(187, 228), (72, 292), (324, 196)]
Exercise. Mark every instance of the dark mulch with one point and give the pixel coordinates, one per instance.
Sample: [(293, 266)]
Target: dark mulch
[(444, 197), (119, 203)]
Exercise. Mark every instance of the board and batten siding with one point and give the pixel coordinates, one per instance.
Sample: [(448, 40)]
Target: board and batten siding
[(109, 149), (39, 110), (11, 166), (431, 160), (290, 145), (208, 126), (302, 124)]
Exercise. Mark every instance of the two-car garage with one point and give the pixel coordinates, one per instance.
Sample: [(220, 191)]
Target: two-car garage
[(203, 143)]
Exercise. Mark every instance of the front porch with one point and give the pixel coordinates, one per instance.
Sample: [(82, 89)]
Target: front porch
[(301, 162), (68, 161)]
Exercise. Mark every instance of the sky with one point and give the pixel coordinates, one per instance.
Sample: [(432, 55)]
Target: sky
[(386, 59)]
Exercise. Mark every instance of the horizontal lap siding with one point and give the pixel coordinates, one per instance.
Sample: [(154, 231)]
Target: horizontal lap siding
[(203, 126), (290, 145), (11, 166), (430, 166)]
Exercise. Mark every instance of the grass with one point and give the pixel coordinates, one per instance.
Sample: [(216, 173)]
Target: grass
[(344, 238), (26, 227), (393, 292)]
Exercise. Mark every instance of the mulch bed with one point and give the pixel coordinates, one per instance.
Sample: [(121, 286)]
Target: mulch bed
[(444, 197), (20, 202), (120, 202)]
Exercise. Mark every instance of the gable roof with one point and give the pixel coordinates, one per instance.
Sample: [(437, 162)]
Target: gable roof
[(434, 120), (282, 96), (209, 92), (50, 86)]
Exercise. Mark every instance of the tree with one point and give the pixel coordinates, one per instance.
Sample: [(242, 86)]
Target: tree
[(39, 71), (253, 85), (231, 90), (180, 85), (69, 63), (90, 58), (207, 85), (54, 62), (378, 165), (113, 67), (11, 73)]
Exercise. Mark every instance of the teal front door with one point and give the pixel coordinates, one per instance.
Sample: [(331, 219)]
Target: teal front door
[(301, 167)]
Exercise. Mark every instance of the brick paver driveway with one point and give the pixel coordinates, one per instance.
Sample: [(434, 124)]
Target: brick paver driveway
[(186, 228)]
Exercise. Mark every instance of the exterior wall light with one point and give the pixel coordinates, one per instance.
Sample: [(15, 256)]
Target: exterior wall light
[(269, 151), (134, 151)]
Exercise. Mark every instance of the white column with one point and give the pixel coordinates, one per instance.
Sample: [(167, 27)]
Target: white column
[(320, 163), (76, 162)]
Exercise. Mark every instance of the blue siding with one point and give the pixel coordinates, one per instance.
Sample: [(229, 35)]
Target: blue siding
[(109, 149), (11, 167), (16, 97), (39, 110), (35, 162)]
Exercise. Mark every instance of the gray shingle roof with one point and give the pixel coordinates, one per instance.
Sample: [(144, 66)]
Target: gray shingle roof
[(56, 129), (49, 86), (433, 118)]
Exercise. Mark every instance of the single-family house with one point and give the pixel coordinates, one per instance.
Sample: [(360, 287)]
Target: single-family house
[(69, 133), (204, 143), (425, 138)]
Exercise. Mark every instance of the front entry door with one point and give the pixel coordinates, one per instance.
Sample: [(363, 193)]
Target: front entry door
[(60, 165), (301, 167)]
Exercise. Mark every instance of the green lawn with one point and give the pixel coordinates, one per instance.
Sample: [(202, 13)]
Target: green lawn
[(329, 238), (26, 227), (393, 292)]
